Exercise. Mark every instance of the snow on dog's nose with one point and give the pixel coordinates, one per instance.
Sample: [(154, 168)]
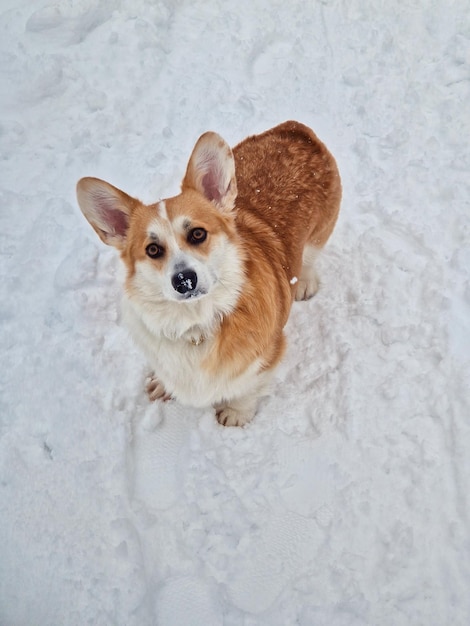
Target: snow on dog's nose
[(184, 282)]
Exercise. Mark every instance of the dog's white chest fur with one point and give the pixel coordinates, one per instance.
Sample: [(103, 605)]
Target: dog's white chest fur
[(178, 361)]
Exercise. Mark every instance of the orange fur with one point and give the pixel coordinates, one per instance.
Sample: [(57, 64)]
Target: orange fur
[(287, 177), (289, 193)]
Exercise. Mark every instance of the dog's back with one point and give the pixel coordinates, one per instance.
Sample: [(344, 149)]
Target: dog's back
[(288, 178)]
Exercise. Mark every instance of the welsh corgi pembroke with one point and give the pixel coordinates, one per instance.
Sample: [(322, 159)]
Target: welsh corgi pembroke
[(212, 272)]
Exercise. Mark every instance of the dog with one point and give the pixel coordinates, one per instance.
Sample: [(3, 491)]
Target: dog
[(211, 273)]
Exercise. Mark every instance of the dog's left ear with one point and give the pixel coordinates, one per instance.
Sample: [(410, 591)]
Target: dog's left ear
[(107, 208), (211, 171)]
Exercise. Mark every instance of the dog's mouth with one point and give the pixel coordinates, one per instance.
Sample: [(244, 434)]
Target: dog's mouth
[(193, 295)]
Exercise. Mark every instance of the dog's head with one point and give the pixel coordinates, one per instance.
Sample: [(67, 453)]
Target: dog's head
[(180, 249)]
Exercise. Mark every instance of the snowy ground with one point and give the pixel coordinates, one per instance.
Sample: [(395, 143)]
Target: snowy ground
[(346, 501)]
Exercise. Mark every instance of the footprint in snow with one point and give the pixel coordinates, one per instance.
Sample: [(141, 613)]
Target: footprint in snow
[(158, 442), (188, 601)]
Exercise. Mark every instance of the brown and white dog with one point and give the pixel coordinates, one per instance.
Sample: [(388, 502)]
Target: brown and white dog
[(213, 271)]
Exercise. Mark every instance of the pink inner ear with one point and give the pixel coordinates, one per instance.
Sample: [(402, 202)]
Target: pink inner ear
[(116, 220), (210, 183)]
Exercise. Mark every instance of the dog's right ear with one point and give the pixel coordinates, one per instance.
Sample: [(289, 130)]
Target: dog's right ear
[(107, 208), (211, 171)]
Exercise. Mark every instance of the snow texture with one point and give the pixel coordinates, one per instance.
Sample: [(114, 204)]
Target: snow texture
[(346, 501)]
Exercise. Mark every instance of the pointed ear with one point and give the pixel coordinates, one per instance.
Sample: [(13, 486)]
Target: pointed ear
[(211, 171), (106, 208)]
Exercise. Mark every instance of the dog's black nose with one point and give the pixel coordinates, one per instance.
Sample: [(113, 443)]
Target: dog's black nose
[(183, 282)]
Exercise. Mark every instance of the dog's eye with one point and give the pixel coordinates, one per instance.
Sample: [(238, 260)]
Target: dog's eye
[(197, 235), (154, 251)]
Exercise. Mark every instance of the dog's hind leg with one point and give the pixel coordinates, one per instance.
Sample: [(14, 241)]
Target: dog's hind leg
[(307, 284)]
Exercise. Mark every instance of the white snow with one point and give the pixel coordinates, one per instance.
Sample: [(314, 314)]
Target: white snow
[(346, 501)]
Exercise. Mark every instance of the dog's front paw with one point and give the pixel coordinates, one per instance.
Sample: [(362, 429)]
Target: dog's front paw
[(228, 416), (155, 389)]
